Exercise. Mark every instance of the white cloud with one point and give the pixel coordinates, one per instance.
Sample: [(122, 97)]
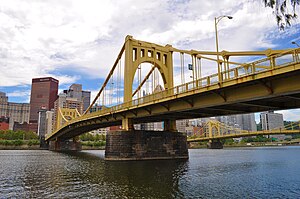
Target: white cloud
[(19, 93), (22, 95), (41, 37), (290, 115), (50, 38)]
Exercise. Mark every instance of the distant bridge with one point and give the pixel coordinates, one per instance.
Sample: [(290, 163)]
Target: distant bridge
[(215, 130)]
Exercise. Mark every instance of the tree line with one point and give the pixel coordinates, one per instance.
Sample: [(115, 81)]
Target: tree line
[(17, 135)]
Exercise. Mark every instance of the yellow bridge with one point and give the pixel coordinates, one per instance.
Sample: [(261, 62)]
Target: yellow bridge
[(215, 130), (271, 82)]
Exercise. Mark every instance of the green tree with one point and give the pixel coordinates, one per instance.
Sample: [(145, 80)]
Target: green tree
[(17, 135), (87, 137), (281, 10)]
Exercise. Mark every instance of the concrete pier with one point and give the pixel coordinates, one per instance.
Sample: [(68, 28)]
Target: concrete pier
[(215, 144), (64, 146), (145, 145)]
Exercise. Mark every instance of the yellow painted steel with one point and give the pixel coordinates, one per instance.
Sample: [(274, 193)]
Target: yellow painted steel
[(136, 52), (65, 115), (215, 130)]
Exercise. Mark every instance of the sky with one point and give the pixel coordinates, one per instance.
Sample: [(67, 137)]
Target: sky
[(77, 41)]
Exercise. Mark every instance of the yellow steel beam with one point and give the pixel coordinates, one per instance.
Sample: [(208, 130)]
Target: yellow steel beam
[(222, 60), (107, 79), (268, 52), (247, 134)]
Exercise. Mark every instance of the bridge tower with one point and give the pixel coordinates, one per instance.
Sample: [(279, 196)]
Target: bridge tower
[(214, 129), (138, 52), (130, 144)]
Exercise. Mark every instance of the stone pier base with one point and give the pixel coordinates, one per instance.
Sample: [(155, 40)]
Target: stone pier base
[(215, 144), (145, 145), (64, 146)]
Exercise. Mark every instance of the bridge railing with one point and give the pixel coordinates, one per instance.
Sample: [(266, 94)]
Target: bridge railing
[(275, 61)]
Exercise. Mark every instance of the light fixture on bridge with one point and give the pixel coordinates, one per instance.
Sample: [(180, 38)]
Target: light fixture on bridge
[(293, 42), (217, 20)]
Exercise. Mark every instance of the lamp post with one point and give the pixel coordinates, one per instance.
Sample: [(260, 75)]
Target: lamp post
[(217, 20), (293, 42)]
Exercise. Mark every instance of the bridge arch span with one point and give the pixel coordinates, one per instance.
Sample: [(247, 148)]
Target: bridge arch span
[(139, 52), (150, 68)]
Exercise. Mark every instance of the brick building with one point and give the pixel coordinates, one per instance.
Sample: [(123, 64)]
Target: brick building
[(43, 94), (4, 123)]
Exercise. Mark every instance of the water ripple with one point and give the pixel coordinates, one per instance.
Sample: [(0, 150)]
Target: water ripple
[(238, 173)]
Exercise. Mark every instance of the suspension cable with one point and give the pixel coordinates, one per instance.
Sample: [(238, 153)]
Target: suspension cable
[(182, 68), (199, 68)]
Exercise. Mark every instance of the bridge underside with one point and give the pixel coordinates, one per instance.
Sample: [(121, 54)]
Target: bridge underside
[(242, 95)]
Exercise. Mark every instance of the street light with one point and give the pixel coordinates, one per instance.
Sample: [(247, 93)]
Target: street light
[(293, 42), (217, 20)]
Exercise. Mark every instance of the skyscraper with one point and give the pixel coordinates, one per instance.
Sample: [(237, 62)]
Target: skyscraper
[(270, 120), (43, 94), (242, 121), (75, 91), (73, 98), (16, 112)]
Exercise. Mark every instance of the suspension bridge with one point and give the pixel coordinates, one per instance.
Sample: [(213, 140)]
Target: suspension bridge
[(213, 84), (215, 130)]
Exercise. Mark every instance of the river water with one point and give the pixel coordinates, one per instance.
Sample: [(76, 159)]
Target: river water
[(272, 172)]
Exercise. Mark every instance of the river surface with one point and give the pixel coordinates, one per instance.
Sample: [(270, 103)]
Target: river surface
[(272, 172)]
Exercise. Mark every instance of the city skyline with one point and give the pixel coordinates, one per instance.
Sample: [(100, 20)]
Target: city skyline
[(77, 42)]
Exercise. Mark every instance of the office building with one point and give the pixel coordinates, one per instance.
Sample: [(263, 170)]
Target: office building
[(242, 121), (247, 122), (49, 121), (181, 125), (75, 91), (43, 94), (42, 122), (270, 121), (73, 98), (16, 112)]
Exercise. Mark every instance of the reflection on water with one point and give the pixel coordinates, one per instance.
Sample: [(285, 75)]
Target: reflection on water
[(234, 173)]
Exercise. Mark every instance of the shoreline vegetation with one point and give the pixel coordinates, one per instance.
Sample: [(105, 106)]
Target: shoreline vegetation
[(21, 140), (226, 144)]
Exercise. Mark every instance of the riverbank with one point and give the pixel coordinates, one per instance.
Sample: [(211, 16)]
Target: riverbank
[(20, 147), (294, 142), (93, 147), (19, 144), (89, 145), (35, 145)]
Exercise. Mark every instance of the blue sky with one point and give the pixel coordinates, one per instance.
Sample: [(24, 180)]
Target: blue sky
[(77, 41)]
